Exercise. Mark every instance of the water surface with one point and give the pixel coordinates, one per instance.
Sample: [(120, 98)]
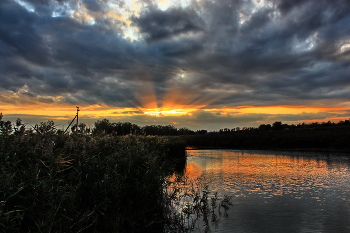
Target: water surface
[(277, 191)]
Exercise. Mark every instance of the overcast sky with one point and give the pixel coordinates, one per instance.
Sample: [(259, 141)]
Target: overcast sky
[(201, 64)]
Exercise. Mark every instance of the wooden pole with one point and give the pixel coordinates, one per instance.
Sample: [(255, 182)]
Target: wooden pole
[(70, 123), (77, 117)]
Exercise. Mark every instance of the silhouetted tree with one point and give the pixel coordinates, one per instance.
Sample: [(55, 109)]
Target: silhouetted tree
[(45, 127), (264, 127), (19, 127), (277, 125), (103, 126), (185, 131), (5, 126), (201, 132)]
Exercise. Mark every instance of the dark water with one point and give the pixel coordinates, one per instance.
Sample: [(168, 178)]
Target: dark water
[(277, 191)]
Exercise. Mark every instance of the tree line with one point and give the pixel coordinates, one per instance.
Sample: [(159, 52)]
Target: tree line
[(125, 128), (278, 125), (100, 127), (278, 136)]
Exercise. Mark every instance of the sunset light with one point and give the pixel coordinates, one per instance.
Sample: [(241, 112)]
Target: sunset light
[(175, 116), (166, 112), (202, 64)]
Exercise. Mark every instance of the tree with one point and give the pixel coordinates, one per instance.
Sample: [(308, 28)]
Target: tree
[(277, 125), (5, 126), (103, 126), (202, 131), (45, 127), (19, 128), (264, 127)]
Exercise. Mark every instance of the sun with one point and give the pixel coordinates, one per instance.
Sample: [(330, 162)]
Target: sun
[(160, 112)]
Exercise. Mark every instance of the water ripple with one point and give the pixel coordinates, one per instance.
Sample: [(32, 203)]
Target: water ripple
[(306, 192)]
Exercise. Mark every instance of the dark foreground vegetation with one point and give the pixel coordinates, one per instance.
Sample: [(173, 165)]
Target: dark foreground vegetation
[(51, 181)]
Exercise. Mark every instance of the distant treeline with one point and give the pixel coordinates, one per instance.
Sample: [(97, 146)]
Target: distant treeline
[(314, 136), (303, 136), (324, 135), (100, 127), (125, 128), (278, 125)]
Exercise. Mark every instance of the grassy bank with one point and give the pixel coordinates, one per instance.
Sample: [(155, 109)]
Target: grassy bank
[(80, 183)]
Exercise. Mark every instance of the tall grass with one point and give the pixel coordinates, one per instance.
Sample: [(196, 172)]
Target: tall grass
[(78, 183), (190, 205), (53, 182)]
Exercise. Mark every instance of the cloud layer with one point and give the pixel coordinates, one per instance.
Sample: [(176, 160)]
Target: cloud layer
[(212, 54)]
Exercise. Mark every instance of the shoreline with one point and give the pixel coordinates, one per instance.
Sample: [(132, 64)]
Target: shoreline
[(329, 150)]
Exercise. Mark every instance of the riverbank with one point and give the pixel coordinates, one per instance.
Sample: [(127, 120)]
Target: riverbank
[(325, 150), (330, 140)]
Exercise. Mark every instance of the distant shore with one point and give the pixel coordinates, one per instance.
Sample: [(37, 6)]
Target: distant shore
[(330, 150), (333, 139)]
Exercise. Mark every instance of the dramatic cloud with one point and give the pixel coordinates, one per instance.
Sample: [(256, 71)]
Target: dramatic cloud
[(148, 58)]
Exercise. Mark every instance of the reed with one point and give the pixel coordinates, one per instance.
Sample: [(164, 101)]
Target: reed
[(54, 182), (190, 205)]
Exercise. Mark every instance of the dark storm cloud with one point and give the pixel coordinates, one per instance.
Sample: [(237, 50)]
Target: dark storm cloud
[(157, 24), (18, 31), (274, 52)]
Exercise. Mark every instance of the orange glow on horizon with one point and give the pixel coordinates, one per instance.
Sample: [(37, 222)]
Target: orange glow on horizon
[(100, 110), (279, 109), (177, 101)]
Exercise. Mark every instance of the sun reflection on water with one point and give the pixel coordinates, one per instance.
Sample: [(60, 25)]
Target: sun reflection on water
[(264, 174), (275, 191)]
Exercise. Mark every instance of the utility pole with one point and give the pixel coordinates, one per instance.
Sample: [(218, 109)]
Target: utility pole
[(77, 117)]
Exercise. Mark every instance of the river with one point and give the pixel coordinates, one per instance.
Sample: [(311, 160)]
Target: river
[(276, 191)]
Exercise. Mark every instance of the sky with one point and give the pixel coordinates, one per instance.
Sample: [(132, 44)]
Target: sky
[(199, 64)]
